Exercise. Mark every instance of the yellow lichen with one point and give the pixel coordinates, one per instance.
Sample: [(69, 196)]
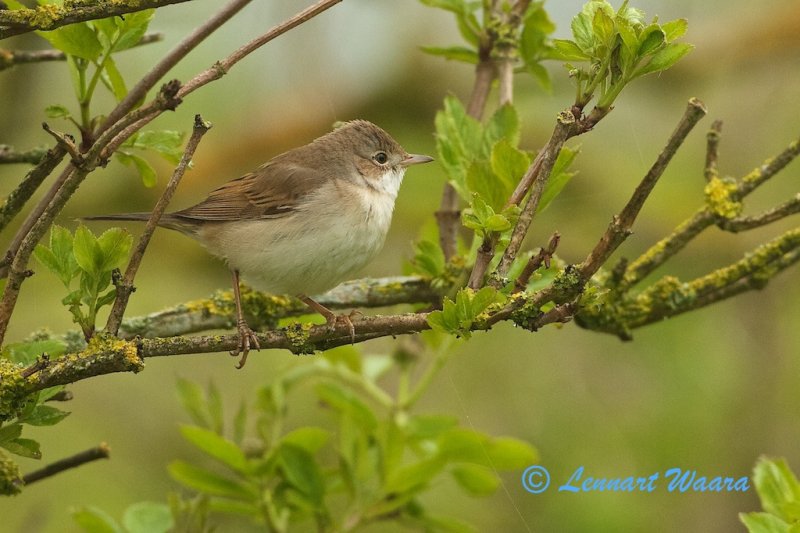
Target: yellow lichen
[(721, 197)]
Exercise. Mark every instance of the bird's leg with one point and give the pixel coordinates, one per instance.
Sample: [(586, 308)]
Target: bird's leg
[(330, 317), (247, 336)]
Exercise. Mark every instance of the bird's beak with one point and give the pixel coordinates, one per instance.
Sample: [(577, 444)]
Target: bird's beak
[(415, 159)]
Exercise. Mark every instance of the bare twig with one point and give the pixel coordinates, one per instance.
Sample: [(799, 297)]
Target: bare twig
[(125, 286), (16, 200), (712, 150), (11, 58), (102, 451), (33, 156), (769, 216), (542, 168), (50, 17), (620, 227), (67, 141), (160, 69)]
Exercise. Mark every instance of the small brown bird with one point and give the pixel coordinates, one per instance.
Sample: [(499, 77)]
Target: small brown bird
[(302, 222)]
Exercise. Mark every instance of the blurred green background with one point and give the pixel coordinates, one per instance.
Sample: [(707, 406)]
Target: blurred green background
[(709, 391)]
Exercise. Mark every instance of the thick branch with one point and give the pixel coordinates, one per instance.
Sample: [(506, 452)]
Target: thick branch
[(50, 17), (92, 454), (33, 156), (125, 286), (621, 225), (263, 309), (712, 150)]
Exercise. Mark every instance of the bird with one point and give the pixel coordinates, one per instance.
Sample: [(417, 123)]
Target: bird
[(302, 222)]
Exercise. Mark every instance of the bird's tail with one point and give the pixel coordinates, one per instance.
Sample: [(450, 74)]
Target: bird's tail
[(168, 220)]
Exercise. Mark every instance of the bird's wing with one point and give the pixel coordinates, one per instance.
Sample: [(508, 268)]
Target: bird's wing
[(272, 191)]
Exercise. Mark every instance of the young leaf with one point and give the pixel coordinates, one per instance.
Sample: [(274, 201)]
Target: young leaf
[(778, 488), (208, 482), (509, 164), (166, 142), (559, 177), (10, 432), (674, 29), (507, 453), (429, 258), (87, 252), (455, 53), (412, 478), (503, 124), (565, 50), (240, 423), (348, 404), (23, 447), (216, 446), (476, 479), (57, 111), (115, 245), (665, 58), (302, 472), (651, 39), (215, 408), (146, 172), (94, 520), (193, 401), (148, 517), (582, 31), (75, 39), (311, 439), (764, 523), (44, 415), (112, 78)]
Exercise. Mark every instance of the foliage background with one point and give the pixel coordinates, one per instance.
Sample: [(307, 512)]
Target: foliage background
[(708, 391)]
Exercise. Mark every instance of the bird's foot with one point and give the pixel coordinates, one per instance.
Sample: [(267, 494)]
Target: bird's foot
[(334, 320), (247, 339)]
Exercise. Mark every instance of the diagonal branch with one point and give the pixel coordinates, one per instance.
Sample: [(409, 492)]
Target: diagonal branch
[(9, 156), (102, 451), (125, 286), (16, 200)]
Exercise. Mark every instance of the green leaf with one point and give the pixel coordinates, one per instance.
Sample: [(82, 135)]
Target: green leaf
[(95, 520), (59, 258), (582, 31), (777, 487), (88, 254), (426, 427), (112, 78), (193, 401), (650, 40), (566, 50), (115, 245), (302, 472), (503, 124), (764, 523), (310, 438), (459, 140), (148, 517), (414, 477), (216, 446), (240, 423), (455, 53), (10, 432), (541, 75), (476, 479), (507, 453), (603, 28), (57, 111), (23, 447), (44, 415), (348, 404), (215, 409), (481, 181), (146, 172), (665, 58), (674, 29), (484, 298), (75, 39), (207, 482), (497, 223), (464, 445), (168, 143), (509, 164), (132, 28)]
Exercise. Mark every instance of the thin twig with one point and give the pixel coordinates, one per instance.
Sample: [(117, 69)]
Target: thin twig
[(67, 141), (50, 17), (542, 257), (712, 150), (620, 227), (16, 200), (102, 451), (542, 168), (125, 286), (769, 216), (160, 69), (11, 58)]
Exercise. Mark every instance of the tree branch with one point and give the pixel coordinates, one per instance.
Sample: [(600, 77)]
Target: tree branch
[(20, 195), (712, 150), (125, 286), (11, 58), (621, 225), (50, 17), (102, 451), (33, 156)]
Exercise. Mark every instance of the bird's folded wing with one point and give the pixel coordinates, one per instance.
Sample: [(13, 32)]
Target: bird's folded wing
[(272, 191)]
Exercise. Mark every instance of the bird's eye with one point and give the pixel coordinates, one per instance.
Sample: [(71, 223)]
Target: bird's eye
[(380, 157)]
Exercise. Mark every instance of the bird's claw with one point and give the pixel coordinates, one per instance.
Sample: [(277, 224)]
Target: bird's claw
[(334, 320), (247, 338)]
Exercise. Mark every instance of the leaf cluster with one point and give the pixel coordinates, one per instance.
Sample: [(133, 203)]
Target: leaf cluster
[(617, 47), (91, 260), (779, 492)]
